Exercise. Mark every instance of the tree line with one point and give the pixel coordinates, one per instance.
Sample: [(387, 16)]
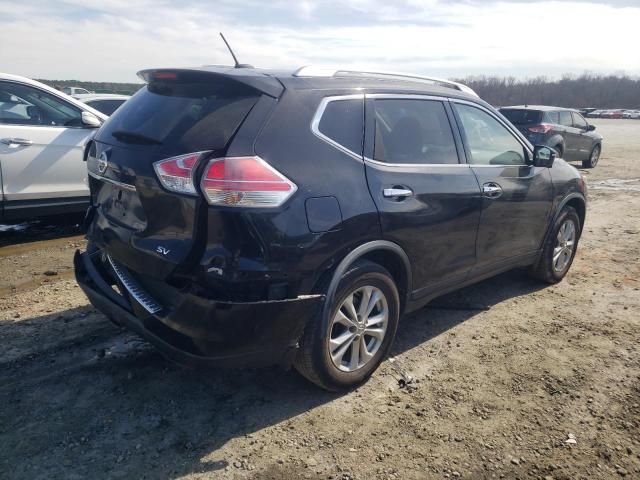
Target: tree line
[(596, 91)]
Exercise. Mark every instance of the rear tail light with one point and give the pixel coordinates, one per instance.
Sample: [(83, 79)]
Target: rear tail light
[(542, 128), (176, 173), (245, 182)]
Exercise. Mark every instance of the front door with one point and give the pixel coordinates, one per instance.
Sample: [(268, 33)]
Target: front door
[(517, 196), (429, 201), (41, 145)]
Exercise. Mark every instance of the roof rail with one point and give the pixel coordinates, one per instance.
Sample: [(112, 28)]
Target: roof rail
[(315, 71)]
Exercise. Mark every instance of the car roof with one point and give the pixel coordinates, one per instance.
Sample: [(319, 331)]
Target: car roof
[(542, 108), (86, 97), (53, 91), (272, 81)]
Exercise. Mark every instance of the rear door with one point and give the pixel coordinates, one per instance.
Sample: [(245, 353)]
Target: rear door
[(41, 144), (429, 202), (571, 136), (517, 197), (189, 115)]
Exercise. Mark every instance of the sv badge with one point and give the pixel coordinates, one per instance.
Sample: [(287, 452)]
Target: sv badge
[(162, 250)]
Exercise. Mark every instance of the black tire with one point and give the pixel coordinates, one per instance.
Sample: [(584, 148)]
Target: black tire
[(544, 269), (314, 360), (594, 157)]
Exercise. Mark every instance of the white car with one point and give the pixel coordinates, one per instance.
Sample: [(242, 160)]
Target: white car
[(73, 91), (634, 114), (42, 137), (106, 103)]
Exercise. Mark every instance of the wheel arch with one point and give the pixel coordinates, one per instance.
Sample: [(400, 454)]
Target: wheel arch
[(575, 200), (383, 252)]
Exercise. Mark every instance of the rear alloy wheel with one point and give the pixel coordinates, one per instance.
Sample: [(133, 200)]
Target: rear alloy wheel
[(560, 249), (593, 158), (341, 350), (358, 328)]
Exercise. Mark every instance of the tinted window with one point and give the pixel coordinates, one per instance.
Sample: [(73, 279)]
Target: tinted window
[(489, 142), (413, 131), (578, 121), (183, 117), (26, 105), (565, 119), (522, 117), (342, 122), (105, 106), (552, 117)]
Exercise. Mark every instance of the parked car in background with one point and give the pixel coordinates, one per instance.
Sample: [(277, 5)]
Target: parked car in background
[(617, 113), (633, 114), (42, 137), (248, 217), (73, 91), (595, 114), (586, 111), (563, 129), (106, 103)]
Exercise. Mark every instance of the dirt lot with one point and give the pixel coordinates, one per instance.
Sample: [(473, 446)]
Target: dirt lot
[(497, 389)]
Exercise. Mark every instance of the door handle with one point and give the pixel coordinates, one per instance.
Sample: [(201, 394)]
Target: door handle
[(491, 190), (397, 192), (16, 141)]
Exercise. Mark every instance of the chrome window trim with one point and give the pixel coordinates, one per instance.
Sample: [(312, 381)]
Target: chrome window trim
[(527, 146), (317, 117), (125, 186), (408, 96)]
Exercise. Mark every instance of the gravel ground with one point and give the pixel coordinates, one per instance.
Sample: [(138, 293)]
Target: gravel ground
[(505, 379)]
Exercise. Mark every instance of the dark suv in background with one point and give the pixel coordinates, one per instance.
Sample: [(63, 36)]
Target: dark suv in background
[(250, 217), (563, 129)]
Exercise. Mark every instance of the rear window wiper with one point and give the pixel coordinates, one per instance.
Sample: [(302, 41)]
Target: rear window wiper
[(132, 137)]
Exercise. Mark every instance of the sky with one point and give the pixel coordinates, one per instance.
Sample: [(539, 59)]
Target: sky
[(110, 40)]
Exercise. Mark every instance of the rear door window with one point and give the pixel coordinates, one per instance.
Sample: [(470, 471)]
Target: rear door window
[(182, 117), (342, 123), (411, 131), (565, 119), (552, 117)]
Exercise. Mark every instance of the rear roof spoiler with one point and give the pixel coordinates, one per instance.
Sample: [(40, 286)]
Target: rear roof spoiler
[(246, 76)]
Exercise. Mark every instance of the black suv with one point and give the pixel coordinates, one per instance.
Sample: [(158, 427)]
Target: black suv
[(563, 129), (250, 217)]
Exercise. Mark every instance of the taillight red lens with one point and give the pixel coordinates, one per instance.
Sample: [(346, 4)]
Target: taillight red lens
[(176, 173), (245, 182), (542, 128)]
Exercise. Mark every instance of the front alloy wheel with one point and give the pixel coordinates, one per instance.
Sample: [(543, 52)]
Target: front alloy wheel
[(565, 244), (593, 158)]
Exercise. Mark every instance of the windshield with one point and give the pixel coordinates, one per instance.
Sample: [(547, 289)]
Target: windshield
[(184, 117), (522, 117)]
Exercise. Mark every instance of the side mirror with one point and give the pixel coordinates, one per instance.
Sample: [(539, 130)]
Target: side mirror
[(543, 156), (90, 120), (591, 128)]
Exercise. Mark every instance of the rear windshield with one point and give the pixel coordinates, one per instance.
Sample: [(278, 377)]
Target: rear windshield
[(522, 117), (181, 117)]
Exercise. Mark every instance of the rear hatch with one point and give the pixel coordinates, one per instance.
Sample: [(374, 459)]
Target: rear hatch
[(522, 118), (136, 219)]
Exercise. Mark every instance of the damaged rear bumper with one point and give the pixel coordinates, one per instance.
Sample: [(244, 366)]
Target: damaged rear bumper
[(194, 330)]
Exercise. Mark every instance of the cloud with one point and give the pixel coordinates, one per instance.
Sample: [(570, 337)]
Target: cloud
[(112, 39)]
